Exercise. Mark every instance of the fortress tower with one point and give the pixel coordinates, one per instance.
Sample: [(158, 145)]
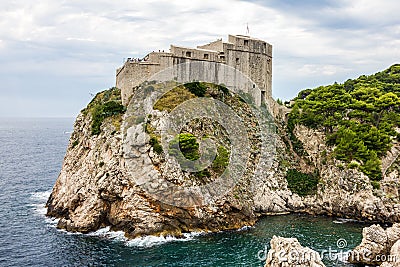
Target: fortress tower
[(252, 57)]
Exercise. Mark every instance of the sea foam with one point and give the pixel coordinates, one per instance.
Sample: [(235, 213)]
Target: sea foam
[(343, 220), (145, 241), (149, 241), (38, 206)]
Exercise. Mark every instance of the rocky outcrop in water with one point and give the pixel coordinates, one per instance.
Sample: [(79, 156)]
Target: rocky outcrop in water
[(377, 246), (96, 188), (289, 252)]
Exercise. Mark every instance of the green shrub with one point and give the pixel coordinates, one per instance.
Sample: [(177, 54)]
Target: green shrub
[(157, 148), (223, 89), (202, 174), (292, 121), (302, 183), (372, 167), (376, 185), (222, 159), (197, 88), (353, 165), (187, 144), (102, 111), (75, 143), (105, 104)]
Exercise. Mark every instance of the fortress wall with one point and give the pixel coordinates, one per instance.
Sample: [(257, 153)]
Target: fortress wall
[(216, 46), (187, 70), (250, 56), (193, 53), (131, 75)]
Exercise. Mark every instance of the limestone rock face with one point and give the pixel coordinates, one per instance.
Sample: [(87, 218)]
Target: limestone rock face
[(376, 246), (345, 192), (394, 258), (97, 187), (289, 252), (94, 190)]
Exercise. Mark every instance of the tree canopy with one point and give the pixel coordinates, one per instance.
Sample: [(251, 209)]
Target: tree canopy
[(359, 117)]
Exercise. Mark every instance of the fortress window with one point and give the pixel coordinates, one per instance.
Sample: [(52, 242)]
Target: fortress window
[(237, 60), (246, 42), (205, 56), (188, 54)]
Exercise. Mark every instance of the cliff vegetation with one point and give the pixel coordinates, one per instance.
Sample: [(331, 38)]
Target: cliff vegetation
[(359, 118)]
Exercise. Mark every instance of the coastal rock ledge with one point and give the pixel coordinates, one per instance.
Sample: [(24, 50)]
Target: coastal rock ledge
[(289, 252), (378, 246)]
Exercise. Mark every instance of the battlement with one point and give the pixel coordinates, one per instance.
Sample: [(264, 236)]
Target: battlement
[(251, 56)]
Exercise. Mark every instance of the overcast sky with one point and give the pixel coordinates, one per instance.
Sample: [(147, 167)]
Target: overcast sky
[(55, 54)]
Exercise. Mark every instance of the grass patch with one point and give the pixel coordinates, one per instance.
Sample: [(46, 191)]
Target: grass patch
[(182, 93), (173, 98), (154, 139)]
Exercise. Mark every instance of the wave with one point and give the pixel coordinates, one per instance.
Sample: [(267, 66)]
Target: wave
[(108, 234), (149, 241), (38, 206), (145, 241), (38, 202), (41, 196), (343, 220), (142, 242), (245, 228)]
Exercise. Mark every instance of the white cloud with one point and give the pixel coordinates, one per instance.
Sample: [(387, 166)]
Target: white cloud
[(90, 38), (320, 69)]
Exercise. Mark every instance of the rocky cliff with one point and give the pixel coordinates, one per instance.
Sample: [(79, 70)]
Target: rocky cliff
[(95, 187), (98, 185)]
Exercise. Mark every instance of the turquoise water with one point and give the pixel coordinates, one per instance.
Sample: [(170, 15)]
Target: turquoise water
[(31, 154)]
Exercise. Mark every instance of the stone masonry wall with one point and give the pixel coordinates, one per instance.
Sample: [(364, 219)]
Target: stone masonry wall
[(250, 56)]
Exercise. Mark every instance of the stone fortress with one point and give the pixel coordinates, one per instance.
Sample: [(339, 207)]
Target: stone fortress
[(250, 56)]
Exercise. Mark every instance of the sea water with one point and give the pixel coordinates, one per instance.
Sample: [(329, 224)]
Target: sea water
[(31, 154)]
